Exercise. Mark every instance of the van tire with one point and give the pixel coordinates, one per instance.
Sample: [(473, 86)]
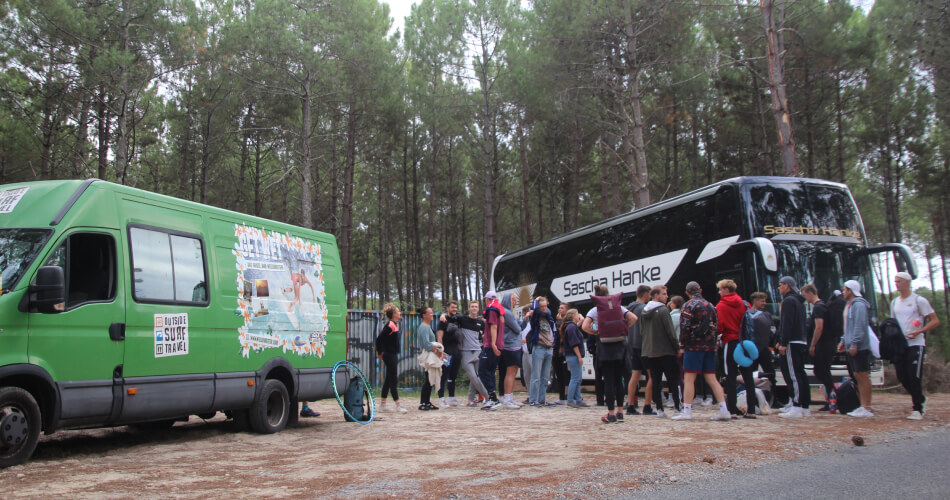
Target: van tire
[(20, 426), (271, 408)]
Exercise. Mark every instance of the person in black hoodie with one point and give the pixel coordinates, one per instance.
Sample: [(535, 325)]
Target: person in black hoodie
[(793, 344)]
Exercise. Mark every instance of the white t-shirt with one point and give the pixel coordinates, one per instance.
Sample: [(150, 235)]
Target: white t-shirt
[(910, 313), (592, 314)]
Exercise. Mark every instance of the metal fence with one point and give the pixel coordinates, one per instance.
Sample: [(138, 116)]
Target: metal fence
[(362, 327)]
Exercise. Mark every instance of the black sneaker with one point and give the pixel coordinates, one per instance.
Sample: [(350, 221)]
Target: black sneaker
[(632, 410), (824, 408), (307, 412), (609, 419), (619, 416), (647, 410)]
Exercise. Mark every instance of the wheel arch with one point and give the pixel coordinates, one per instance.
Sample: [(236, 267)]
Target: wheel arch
[(40, 385)]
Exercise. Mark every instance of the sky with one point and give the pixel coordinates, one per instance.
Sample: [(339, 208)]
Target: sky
[(398, 10)]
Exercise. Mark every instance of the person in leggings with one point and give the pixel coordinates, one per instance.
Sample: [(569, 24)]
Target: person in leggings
[(447, 334), (611, 356), (471, 329), (387, 350), (660, 347)]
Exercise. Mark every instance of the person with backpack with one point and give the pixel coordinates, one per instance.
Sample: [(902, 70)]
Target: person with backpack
[(761, 333), (613, 321), (793, 344), (635, 358), (916, 318), (730, 310), (821, 348), (857, 344), (492, 345), (541, 340), (660, 347), (698, 331)]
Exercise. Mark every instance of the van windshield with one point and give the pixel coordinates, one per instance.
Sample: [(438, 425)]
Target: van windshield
[(18, 249)]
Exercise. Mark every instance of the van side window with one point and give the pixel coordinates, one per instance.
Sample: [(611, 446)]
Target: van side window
[(167, 267), (88, 262)]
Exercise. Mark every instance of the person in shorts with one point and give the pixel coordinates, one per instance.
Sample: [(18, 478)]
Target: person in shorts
[(857, 344), (698, 329)]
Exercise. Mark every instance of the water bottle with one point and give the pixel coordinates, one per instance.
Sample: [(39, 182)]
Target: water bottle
[(833, 403)]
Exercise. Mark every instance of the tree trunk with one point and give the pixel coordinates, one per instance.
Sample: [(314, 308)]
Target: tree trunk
[(346, 226), (102, 121), (306, 175), (641, 187), (776, 60), (525, 190)]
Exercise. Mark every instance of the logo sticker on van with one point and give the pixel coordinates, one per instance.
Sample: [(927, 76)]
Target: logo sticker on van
[(281, 293), (9, 198), (171, 335)]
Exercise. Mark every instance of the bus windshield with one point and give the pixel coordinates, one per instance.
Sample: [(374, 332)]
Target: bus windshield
[(804, 211), (18, 248), (826, 265)]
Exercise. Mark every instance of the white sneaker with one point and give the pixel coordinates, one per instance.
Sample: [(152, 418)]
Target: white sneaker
[(794, 412), (491, 405), (806, 412), (511, 405), (400, 409), (722, 415), (861, 412), (660, 414), (383, 407), (668, 402), (697, 401), (915, 415), (708, 401), (453, 402), (442, 403), (683, 416)]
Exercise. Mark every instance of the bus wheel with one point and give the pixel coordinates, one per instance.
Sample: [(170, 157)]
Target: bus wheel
[(19, 426), (271, 409)]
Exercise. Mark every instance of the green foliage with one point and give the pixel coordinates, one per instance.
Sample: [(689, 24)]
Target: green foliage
[(526, 116)]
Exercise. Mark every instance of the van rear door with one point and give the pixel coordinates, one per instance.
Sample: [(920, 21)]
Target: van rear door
[(81, 347)]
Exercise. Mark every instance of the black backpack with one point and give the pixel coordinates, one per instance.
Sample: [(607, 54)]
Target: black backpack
[(847, 397), (893, 341)]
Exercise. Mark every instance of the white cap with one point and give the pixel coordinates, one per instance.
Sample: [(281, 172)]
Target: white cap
[(904, 275), (491, 295), (854, 286)]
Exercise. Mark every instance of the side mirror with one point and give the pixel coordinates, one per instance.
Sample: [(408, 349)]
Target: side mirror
[(48, 293)]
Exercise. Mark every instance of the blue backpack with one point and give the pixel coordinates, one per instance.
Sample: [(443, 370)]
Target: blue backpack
[(747, 331)]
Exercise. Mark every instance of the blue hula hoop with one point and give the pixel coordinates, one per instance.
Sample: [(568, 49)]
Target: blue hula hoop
[(367, 390)]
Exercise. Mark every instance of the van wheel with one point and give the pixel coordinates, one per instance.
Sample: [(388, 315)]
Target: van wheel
[(271, 409), (20, 426)]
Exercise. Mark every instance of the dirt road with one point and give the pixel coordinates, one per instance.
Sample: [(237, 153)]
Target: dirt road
[(460, 452)]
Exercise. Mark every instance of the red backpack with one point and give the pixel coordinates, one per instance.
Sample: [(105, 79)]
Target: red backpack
[(611, 324)]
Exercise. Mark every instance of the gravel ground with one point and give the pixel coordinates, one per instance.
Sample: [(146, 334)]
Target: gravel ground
[(451, 453)]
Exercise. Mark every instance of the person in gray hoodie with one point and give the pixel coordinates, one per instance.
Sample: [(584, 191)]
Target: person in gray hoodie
[(660, 347), (511, 354), (857, 344)]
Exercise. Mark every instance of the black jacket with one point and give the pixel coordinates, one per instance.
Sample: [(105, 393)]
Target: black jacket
[(791, 327)]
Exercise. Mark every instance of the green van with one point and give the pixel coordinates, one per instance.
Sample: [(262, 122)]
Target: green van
[(120, 306)]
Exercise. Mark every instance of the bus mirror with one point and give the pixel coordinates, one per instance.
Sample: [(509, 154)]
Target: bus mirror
[(899, 249), (48, 292), (767, 252), (765, 249)]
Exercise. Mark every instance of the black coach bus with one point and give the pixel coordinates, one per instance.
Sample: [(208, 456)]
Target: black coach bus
[(753, 230)]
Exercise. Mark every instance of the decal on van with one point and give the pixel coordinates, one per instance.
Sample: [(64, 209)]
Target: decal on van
[(171, 335), (281, 293), (9, 198)]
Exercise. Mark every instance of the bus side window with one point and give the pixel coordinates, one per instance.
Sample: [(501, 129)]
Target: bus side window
[(88, 262)]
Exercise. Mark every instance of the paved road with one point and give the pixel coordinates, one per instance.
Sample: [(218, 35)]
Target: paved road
[(917, 468)]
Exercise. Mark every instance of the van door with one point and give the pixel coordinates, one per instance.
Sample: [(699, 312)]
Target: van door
[(170, 348), (81, 347)]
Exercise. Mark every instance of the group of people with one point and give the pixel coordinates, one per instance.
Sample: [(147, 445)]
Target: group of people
[(689, 342)]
